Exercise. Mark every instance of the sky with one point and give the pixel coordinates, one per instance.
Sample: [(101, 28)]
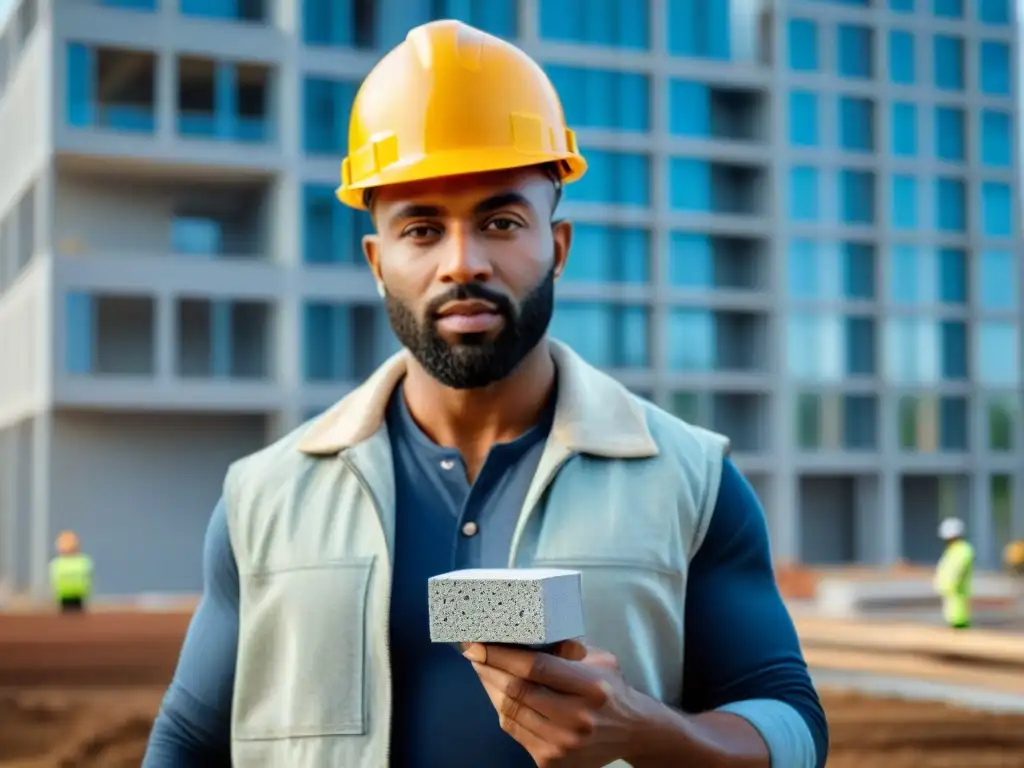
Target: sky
[(5, 8)]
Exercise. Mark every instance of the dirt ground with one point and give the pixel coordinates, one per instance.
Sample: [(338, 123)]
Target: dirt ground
[(81, 693)]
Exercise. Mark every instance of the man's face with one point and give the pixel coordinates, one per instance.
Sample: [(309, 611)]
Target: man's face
[(468, 265)]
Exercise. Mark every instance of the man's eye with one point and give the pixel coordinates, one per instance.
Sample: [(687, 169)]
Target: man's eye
[(420, 231), (502, 225)]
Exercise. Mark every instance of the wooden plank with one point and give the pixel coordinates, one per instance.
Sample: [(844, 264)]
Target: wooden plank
[(977, 644)]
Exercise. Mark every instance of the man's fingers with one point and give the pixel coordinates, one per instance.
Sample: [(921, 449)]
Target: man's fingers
[(542, 668), (548, 714)]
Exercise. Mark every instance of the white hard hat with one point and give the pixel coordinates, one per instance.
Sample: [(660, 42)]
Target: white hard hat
[(951, 528)]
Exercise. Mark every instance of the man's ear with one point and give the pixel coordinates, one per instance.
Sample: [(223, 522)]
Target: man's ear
[(561, 231), (371, 252)]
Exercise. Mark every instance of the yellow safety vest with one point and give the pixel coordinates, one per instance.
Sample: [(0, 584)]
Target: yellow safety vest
[(953, 581), (71, 576)]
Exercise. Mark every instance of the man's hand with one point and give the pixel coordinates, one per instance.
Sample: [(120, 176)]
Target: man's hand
[(571, 709)]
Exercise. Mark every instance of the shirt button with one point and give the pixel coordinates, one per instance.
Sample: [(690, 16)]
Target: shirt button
[(447, 464), (470, 529)]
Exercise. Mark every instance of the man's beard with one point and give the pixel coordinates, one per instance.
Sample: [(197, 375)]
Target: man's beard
[(474, 361)]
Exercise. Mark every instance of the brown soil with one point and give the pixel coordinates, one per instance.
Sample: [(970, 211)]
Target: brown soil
[(111, 669)]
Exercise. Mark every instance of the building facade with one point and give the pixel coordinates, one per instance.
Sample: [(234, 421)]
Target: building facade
[(800, 227)]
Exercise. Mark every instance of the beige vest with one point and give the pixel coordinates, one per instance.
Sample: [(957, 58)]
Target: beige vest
[(623, 493)]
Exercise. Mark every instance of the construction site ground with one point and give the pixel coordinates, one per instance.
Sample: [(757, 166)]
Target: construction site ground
[(81, 691)]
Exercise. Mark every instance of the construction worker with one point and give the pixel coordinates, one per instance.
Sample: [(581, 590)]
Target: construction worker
[(483, 444), (953, 574), (70, 574)]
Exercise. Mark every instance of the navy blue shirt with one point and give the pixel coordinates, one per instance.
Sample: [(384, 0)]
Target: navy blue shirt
[(740, 640)]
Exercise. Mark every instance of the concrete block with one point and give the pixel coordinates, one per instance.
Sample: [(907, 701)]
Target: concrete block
[(517, 606)]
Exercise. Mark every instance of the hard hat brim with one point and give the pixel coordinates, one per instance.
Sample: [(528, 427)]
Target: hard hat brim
[(460, 162)]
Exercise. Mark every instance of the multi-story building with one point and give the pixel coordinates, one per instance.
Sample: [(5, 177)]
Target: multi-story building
[(798, 228)]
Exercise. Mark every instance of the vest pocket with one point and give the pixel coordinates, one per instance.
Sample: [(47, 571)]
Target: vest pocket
[(301, 652)]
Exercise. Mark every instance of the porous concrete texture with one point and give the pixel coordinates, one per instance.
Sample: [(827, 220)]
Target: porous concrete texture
[(518, 606)]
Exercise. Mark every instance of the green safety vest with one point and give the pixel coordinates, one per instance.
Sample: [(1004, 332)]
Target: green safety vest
[(71, 576), (953, 581)]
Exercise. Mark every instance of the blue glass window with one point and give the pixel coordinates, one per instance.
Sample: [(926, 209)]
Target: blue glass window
[(337, 23), (134, 5), (948, 62), (805, 282), (950, 204), (78, 333), (197, 236), (901, 6), (327, 342), (691, 261), (998, 355), (497, 17), (951, 266), (81, 74), (697, 28), (996, 140), (904, 129), (689, 108), (326, 105), (953, 349), (822, 271), (994, 68), (859, 333), (950, 130), (854, 51), (905, 283), (856, 124), (691, 340), (622, 178), (608, 254), (904, 202), (602, 98), (613, 23), (994, 11), (997, 280), (857, 196), (803, 119), (901, 56), (220, 9), (331, 232), (689, 184), (926, 276), (803, 45), (803, 193), (84, 109), (950, 9), (606, 335), (858, 270), (996, 209)]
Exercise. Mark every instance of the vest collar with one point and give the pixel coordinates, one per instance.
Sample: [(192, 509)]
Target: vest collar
[(594, 414)]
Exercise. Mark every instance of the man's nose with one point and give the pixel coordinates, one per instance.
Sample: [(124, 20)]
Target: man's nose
[(464, 259)]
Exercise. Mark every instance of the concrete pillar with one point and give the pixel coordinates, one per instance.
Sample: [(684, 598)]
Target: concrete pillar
[(40, 457), (890, 518), (8, 503)]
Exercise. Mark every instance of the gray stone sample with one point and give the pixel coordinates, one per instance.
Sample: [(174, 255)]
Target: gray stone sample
[(517, 606)]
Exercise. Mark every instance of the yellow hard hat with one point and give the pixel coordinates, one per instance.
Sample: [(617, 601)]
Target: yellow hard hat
[(67, 542), (1013, 555), (451, 100)]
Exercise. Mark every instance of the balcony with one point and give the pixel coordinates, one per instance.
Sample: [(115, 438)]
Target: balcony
[(111, 88), (738, 114), (223, 100)]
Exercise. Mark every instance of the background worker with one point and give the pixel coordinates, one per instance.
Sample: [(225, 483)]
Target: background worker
[(483, 443), (71, 574), (954, 572)]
